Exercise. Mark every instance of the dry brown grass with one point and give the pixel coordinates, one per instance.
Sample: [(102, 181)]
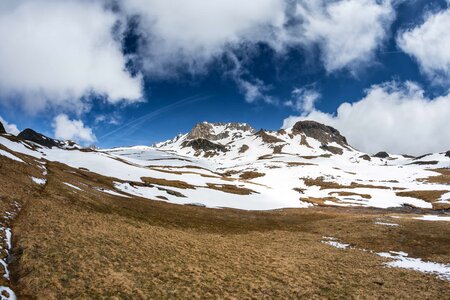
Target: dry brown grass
[(319, 181), (297, 164), (443, 178), (345, 194), (251, 175), (231, 189), (164, 182), (429, 196), (86, 244)]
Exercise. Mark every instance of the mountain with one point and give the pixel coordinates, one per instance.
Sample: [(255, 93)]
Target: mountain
[(2, 128), (233, 165), (222, 208), (40, 139)]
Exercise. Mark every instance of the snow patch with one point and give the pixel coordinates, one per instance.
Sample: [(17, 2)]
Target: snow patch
[(433, 218), (72, 186), (40, 181), (332, 241), (401, 260), (10, 156)]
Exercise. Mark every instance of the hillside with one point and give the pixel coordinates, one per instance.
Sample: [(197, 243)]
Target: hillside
[(302, 213)]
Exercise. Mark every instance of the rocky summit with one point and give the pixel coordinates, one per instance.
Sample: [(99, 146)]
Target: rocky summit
[(322, 133)]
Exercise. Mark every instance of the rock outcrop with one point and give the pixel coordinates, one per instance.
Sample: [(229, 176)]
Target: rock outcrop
[(2, 129), (33, 136), (381, 154), (447, 153), (217, 131), (322, 133), (204, 145)]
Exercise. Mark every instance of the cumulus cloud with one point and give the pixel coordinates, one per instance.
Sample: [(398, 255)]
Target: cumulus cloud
[(200, 29), (54, 53), (347, 32), (395, 117), (429, 44), (10, 128), (67, 129), (303, 100)]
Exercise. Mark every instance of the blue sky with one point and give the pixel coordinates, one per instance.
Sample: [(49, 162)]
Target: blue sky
[(168, 73)]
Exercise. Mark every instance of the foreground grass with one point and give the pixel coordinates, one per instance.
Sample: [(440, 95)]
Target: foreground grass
[(88, 244)]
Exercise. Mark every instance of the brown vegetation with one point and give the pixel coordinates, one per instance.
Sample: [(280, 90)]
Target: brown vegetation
[(231, 189), (251, 175), (165, 182)]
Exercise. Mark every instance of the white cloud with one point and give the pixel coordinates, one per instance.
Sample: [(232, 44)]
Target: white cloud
[(10, 128), (303, 100), (52, 53), (429, 44), (394, 117), (188, 34), (347, 32), (67, 129)]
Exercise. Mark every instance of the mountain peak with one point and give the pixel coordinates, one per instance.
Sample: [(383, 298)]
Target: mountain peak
[(217, 131), (323, 133)]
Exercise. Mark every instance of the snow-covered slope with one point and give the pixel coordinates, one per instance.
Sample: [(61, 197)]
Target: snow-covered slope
[(233, 165)]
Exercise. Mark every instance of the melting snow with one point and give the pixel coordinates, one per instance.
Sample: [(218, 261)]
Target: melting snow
[(72, 186), (9, 155), (433, 218), (39, 181), (334, 243), (11, 295), (401, 260), (386, 224)]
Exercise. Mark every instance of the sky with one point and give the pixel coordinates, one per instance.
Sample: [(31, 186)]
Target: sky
[(136, 72)]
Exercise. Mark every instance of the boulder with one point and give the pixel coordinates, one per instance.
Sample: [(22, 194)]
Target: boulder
[(381, 154)]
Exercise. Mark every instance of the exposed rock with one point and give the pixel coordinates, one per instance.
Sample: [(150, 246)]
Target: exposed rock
[(33, 136), (278, 149), (365, 157), (381, 154), (447, 153), (206, 130), (243, 149), (304, 142), (267, 138), (2, 129), (332, 149), (322, 133), (205, 145)]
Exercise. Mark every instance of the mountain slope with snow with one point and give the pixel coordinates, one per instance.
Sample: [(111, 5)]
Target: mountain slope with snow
[(233, 165)]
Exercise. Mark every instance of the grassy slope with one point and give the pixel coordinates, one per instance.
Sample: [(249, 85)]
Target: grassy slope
[(88, 244)]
